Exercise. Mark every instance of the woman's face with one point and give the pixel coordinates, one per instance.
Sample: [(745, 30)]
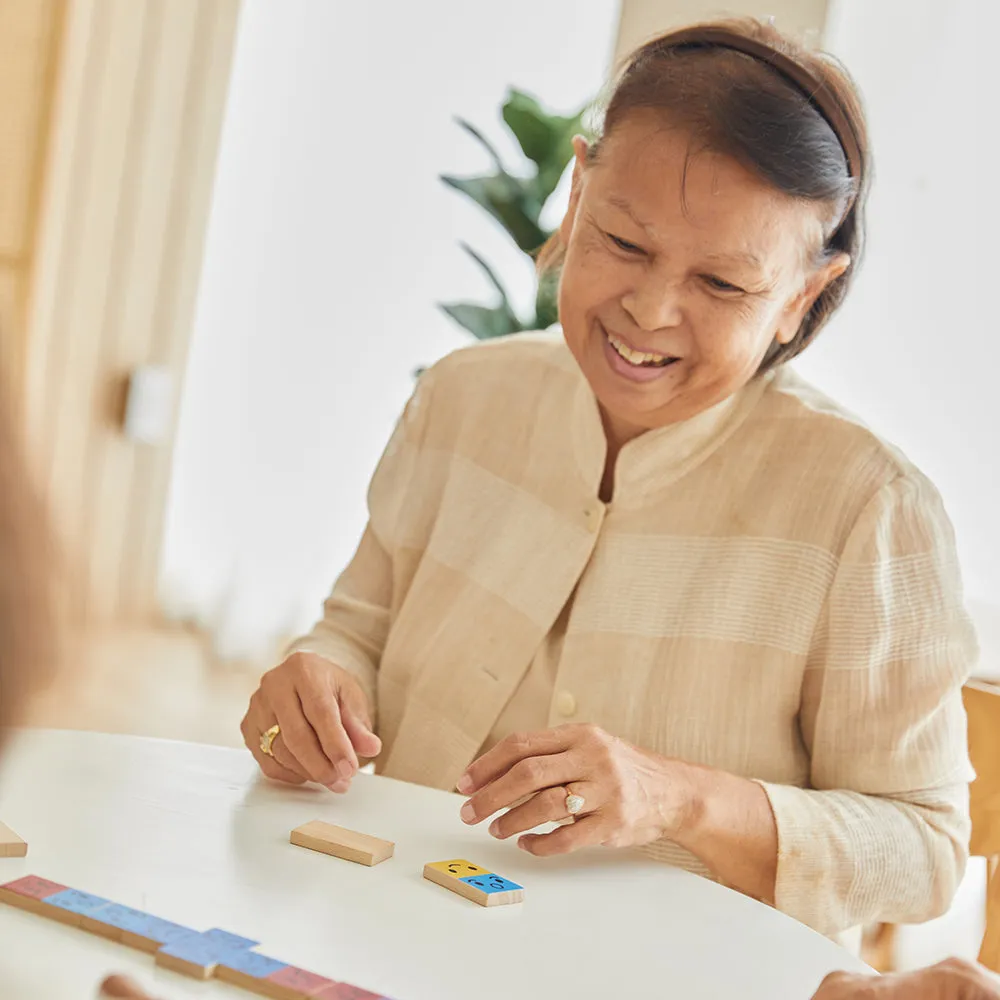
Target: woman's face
[(681, 270)]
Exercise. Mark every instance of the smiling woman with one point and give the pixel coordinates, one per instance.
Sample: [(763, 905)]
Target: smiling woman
[(640, 575)]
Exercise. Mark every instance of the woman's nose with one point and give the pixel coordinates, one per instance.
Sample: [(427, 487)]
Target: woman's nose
[(654, 304)]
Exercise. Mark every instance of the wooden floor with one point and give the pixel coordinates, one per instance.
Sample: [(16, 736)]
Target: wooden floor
[(163, 683)]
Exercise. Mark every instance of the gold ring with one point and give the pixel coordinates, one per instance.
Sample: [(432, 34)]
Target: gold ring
[(574, 803), (267, 738)]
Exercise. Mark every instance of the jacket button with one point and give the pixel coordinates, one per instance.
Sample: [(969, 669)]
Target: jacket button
[(565, 704)]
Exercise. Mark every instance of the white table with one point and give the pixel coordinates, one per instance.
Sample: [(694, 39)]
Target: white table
[(189, 833)]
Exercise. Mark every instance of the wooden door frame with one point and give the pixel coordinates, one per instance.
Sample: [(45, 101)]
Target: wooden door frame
[(124, 206)]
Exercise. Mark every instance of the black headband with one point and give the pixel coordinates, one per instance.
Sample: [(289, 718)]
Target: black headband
[(815, 90)]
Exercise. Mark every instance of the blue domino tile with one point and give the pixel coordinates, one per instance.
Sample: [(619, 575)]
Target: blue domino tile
[(194, 949), (491, 883), (229, 942), (78, 902), (125, 918), (143, 924), (163, 931), (252, 964), (209, 948)]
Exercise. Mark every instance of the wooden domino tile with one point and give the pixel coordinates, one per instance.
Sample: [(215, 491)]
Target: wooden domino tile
[(340, 843), (466, 879), (267, 977), (29, 893), (199, 955), (345, 991), (11, 845), (214, 953), (291, 983), (135, 929), (71, 906)]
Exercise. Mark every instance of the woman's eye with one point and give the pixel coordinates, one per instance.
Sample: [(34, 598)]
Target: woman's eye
[(721, 285), (624, 244)]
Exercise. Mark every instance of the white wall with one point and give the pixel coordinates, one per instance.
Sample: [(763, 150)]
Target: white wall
[(329, 243), (916, 350), (642, 19), (331, 239)]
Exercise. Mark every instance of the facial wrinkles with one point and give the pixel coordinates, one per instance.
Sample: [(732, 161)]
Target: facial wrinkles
[(669, 247)]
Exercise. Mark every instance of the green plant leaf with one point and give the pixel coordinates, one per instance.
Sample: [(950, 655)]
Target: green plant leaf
[(483, 322), (545, 139), (487, 145), (512, 201), (490, 274)]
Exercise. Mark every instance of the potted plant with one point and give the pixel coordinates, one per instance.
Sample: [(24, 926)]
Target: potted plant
[(516, 201)]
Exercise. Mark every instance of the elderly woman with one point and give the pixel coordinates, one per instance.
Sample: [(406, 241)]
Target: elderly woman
[(636, 571)]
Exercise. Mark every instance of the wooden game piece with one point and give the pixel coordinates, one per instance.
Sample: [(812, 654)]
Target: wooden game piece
[(195, 961), (292, 983), (198, 956), (29, 893), (97, 923), (139, 930), (250, 971), (345, 991), (474, 883), (11, 845), (216, 952), (71, 906), (347, 844), (226, 942)]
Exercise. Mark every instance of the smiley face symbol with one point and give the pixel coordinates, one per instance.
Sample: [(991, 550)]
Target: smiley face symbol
[(459, 868)]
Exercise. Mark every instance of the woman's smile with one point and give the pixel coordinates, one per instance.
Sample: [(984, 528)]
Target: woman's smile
[(631, 362)]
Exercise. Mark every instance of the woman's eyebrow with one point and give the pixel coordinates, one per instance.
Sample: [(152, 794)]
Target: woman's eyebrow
[(617, 201), (745, 257)]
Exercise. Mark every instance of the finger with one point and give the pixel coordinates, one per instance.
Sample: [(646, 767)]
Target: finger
[(545, 807), (299, 737), (366, 743), (839, 986), (251, 729), (526, 777), (587, 832), (509, 751), (124, 988), (283, 758), (320, 700), (357, 720)]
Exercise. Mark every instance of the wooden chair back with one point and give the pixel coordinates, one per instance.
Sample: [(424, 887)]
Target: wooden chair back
[(982, 704)]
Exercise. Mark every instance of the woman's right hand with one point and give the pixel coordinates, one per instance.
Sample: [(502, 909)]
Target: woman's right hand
[(949, 980), (325, 723)]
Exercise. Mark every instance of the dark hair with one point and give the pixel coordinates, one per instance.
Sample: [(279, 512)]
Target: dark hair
[(776, 111)]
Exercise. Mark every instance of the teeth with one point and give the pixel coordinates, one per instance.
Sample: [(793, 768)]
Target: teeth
[(635, 357)]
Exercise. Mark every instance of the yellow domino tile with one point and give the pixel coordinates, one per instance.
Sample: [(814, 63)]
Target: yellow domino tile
[(458, 868)]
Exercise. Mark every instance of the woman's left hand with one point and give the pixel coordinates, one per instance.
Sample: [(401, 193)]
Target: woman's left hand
[(630, 796)]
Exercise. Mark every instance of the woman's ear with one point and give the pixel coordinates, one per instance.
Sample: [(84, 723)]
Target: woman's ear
[(816, 283), (581, 150)]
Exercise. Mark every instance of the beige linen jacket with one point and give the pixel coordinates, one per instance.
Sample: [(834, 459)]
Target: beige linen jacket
[(773, 591)]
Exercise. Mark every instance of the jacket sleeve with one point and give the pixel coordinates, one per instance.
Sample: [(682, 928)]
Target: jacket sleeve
[(882, 834), (356, 616)]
